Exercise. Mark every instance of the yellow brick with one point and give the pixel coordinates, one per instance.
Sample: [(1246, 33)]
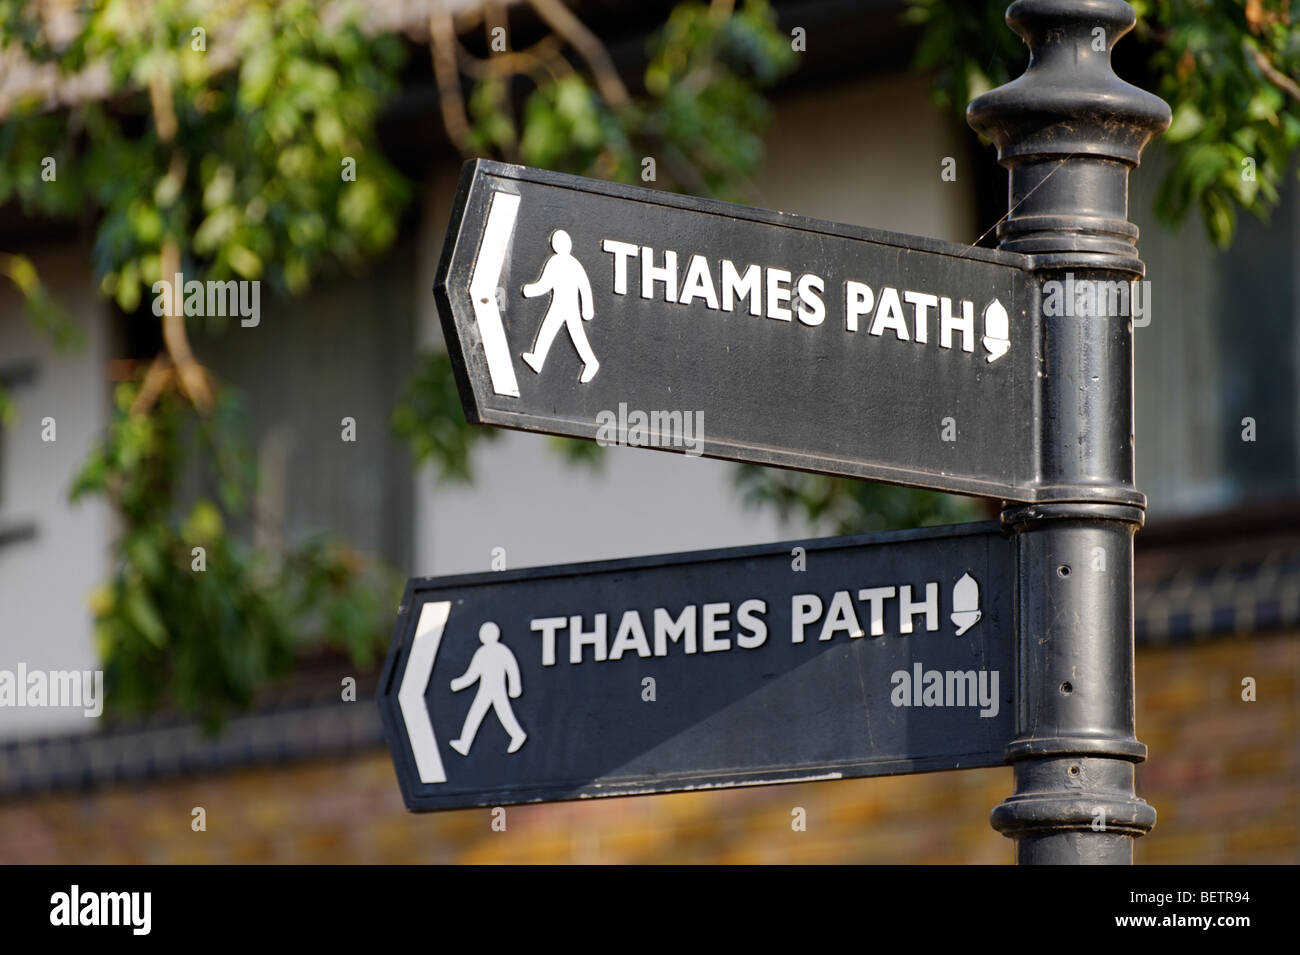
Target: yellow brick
[(1188, 847), (1281, 837), (1260, 760)]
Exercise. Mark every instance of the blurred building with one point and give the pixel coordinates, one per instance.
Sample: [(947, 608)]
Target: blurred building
[(306, 778)]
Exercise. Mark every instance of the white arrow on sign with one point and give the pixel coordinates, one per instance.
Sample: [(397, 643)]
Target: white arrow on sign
[(419, 667), (483, 292)]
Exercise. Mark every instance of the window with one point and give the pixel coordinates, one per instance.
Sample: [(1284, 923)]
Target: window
[(1218, 358)]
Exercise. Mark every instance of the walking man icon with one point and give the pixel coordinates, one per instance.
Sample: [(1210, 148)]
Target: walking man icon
[(497, 672), (564, 277)]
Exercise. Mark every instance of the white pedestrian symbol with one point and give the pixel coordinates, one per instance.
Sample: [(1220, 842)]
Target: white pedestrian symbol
[(564, 277), (497, 672)]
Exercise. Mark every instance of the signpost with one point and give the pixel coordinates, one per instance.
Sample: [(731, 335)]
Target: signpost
[(637, 317), (628, 315), (830, 659)]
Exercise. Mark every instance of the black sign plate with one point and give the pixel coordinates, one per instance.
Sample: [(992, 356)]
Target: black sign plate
[(637, 317), (827, 659)]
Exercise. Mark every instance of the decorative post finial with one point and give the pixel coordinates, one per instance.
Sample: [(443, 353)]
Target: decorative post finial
[(1068, 127)]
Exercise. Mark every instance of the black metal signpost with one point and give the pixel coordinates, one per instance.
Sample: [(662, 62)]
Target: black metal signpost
[(636, 317), (857, 656)]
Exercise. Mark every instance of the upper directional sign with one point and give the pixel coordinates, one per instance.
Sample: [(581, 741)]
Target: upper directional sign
[(857, 656), (643, 318)]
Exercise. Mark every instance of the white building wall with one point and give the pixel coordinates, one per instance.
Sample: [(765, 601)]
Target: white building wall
[(45, 581)]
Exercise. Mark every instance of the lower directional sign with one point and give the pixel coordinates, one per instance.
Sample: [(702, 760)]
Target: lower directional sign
[(856, 656)]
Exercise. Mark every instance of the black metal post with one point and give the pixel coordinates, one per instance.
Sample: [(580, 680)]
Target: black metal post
[(1069, 131)]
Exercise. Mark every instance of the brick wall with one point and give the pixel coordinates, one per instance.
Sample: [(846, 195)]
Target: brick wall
[(1224, 777)]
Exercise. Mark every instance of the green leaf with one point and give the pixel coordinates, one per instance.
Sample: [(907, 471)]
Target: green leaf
[(244, 261), (142, 613), (1187, 122)]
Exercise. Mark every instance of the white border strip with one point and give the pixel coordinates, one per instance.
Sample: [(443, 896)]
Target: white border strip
[(483, 291), (419, 668)]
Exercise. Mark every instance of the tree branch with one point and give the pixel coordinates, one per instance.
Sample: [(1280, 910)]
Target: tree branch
[(157, 379), (192, 376), (1279, 79), (442, 47), (562, 21), (545, 54), (494, 18), (160, 101)]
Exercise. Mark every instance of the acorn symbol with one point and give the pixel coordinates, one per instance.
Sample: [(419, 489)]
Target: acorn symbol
[(997, 331), (965, 603)]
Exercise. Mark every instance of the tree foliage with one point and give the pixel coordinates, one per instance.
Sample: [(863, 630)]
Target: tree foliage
[(847, 506), (1229, 69), (228, 142), (215, 148), (192, 616)]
